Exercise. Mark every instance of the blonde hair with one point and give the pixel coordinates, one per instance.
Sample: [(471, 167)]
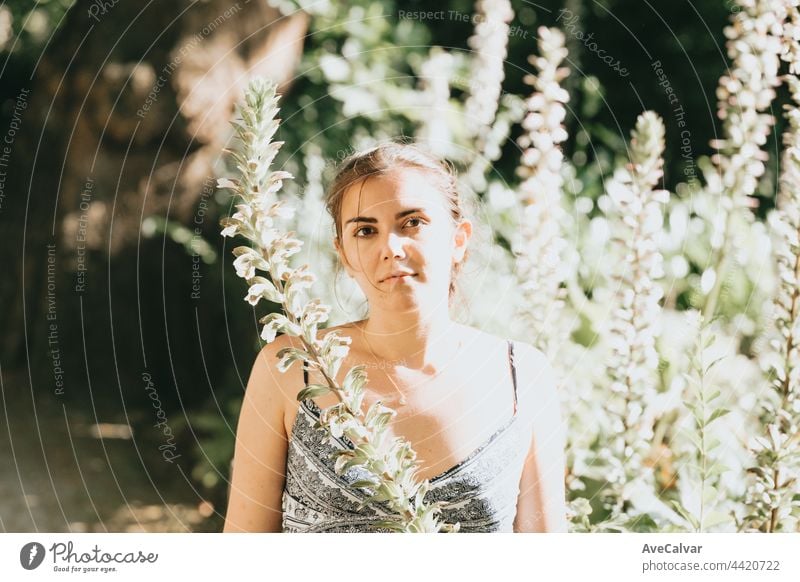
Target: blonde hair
[(385, 159)]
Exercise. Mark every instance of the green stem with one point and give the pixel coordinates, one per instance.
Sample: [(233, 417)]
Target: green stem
[(406, 514), (773, 514), (790, 340), (720, 269), (703, 455)]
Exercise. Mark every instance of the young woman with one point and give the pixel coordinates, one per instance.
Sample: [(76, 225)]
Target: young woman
[(481, 412)]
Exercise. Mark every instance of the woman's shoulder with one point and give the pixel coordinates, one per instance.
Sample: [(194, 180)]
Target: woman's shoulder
[(523, 351), (270, 351), (535, 376), (526, 353), (535, 379), (290, 381), (289, 341)]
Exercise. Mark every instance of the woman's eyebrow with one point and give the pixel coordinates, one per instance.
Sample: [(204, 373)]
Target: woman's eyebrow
[(407, 212), (372, 220), (361, 219)]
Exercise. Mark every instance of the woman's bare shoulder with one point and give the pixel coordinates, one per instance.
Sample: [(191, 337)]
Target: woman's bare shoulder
[(486, 339), (528, 354), (266, 375), (290, 381), (476, 336), (271, 349), (537, 381), (527, 358), (344, 329)]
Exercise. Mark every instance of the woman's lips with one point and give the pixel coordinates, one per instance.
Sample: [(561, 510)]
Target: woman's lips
[(399, 277)]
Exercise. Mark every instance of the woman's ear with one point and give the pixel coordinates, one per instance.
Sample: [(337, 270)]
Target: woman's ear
[(461, 238)]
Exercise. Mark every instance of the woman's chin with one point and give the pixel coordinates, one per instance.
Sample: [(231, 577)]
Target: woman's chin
[(401, 300), (405, 303)]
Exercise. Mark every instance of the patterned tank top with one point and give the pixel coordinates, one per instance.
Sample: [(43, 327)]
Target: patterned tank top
[(480, 492)]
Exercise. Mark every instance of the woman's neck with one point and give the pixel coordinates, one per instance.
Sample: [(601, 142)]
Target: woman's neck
[(412, 341)]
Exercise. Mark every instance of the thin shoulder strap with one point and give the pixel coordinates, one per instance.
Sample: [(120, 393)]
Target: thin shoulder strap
[(513, 371), (305, 376)]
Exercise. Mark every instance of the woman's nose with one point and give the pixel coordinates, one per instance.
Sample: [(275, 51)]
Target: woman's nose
[(394, 247)]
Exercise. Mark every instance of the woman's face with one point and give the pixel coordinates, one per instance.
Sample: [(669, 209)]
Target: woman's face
[(399, 241)]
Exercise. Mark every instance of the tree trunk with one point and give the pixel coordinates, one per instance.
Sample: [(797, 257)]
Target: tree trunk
[(110, 212)]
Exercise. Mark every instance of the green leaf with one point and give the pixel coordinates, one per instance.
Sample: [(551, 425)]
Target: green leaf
[(716, 469), (382, 420), (354, 462), (685, 514), (393, 525), (716, 518), (373, 411), (341, 461), (243, 250), (287, 356), (355, 378), (354, 401), (712, 364), (367, 450), (380, 496), (718, 413), (312, 391), (709, 494)]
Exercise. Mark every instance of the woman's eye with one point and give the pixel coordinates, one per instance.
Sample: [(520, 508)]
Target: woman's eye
[(416, 220), (363, 231)]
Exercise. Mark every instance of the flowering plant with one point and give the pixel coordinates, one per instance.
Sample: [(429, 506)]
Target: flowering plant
[(754, 45), (773, 495), (540, 265), (387, 465), (634, 323)]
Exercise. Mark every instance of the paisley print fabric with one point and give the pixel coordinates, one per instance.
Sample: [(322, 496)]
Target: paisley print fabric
[(480, 492)]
